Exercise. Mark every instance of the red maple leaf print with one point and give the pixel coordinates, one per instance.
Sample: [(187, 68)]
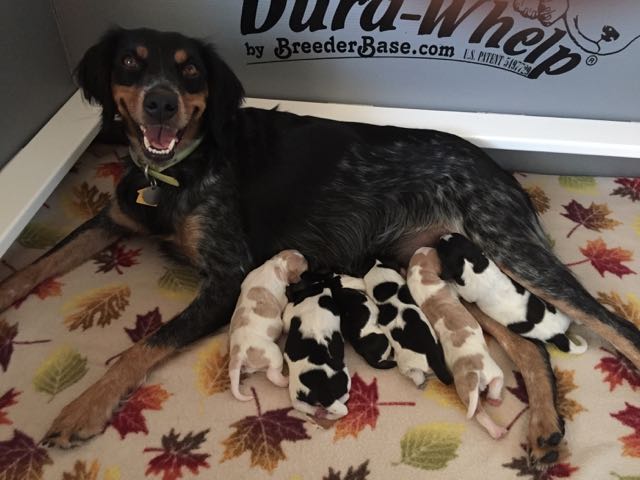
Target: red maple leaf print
[(262, 435), (129, 419), (618, 370), (110, 169), (176, 454), (630, 417), (114, 257), (629, 187), (22, 459), (605, 259), (6, 400), (363, 408), (145, 325)]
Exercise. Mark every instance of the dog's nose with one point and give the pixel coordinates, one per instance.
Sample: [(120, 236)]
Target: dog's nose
[(161, 104)]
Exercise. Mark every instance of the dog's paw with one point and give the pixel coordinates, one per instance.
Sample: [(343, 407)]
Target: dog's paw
[(82, 419), (546, 433)]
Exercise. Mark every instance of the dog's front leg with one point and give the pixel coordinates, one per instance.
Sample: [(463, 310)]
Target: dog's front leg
[(88, 415), (546, 426), (84, 242)]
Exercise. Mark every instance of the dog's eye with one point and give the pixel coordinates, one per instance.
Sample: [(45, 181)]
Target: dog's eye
[(190, 71), (130, 62)]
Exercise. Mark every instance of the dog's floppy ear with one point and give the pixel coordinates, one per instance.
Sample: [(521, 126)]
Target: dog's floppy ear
[(225, 96), (93, 74)]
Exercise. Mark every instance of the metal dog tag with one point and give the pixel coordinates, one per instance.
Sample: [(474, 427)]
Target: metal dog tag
[(149, 196)]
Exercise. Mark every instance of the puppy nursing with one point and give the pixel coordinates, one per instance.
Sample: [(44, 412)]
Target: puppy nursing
[(359, 322), (415, 345), (319, 381), (256, 323), (477, 279), (466, 352)]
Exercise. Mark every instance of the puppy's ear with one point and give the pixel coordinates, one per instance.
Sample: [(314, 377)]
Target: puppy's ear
[(225, 96), (93, 74)]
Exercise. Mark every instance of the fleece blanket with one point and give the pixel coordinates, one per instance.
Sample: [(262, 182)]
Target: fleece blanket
[(184, 423)]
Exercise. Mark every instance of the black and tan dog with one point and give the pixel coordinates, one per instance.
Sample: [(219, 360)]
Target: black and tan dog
[(254, 182)]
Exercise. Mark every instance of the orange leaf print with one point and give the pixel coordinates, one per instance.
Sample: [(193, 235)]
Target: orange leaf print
[(567, 407), (629, 311), (539, 198), (80, 471), (213, 368), (100, 306), (363, 408), (593, 218), (262, 435), (605, 259), (86, 202)]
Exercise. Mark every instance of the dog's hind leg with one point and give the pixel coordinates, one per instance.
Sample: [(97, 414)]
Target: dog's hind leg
[(88, 414), (546, 426), (505, 226), (85, 241)]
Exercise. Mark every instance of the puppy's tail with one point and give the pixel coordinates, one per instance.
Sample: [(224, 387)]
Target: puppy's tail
[(234, 376), (506, 228), (565, 344)]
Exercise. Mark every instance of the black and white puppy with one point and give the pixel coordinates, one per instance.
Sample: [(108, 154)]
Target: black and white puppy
[(359, 322), (319, 381), (416, 348), (477, 279)]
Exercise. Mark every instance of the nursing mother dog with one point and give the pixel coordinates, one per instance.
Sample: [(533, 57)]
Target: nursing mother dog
[(226, 188)]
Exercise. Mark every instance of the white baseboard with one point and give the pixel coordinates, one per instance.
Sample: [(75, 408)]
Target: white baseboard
[(30, 177)]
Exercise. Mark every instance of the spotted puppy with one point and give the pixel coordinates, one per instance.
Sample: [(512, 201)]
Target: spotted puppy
[(256, 323), (477, 279), (359, 322), (466, 352), (319, 382), (415, 345)]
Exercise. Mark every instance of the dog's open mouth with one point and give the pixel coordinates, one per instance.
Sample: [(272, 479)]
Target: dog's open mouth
[(160, 141)]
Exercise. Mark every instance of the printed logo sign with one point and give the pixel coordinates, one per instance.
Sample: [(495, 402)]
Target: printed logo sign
[(530, 38)]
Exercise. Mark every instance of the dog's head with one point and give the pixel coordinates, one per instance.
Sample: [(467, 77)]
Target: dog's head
[(453, 250), (169, 90)]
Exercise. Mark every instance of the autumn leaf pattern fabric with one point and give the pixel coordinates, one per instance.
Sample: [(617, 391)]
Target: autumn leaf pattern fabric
[(183, 423)]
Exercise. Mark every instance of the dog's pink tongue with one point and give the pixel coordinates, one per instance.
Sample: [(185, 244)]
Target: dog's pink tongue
[(160, 136)]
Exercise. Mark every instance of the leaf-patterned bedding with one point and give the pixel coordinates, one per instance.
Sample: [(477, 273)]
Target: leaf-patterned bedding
[(184, 423)]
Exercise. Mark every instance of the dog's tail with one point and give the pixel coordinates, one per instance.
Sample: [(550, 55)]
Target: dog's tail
[(506, 228), (234, 377)]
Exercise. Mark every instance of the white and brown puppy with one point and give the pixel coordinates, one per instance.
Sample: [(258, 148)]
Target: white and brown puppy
[(416, 348), (319, 381), (465, 350), (359, 323), (477, 279), (256, 323)]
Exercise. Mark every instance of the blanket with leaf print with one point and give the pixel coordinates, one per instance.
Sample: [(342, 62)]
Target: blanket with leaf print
[(183, 423)]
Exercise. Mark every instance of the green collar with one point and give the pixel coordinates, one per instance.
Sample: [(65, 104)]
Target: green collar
[(155, 173)]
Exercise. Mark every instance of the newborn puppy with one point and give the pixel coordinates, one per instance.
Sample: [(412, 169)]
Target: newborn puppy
[(477, 279), (256, 323), (359, 322), (415, 345), (466, 352), (319, 382)]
